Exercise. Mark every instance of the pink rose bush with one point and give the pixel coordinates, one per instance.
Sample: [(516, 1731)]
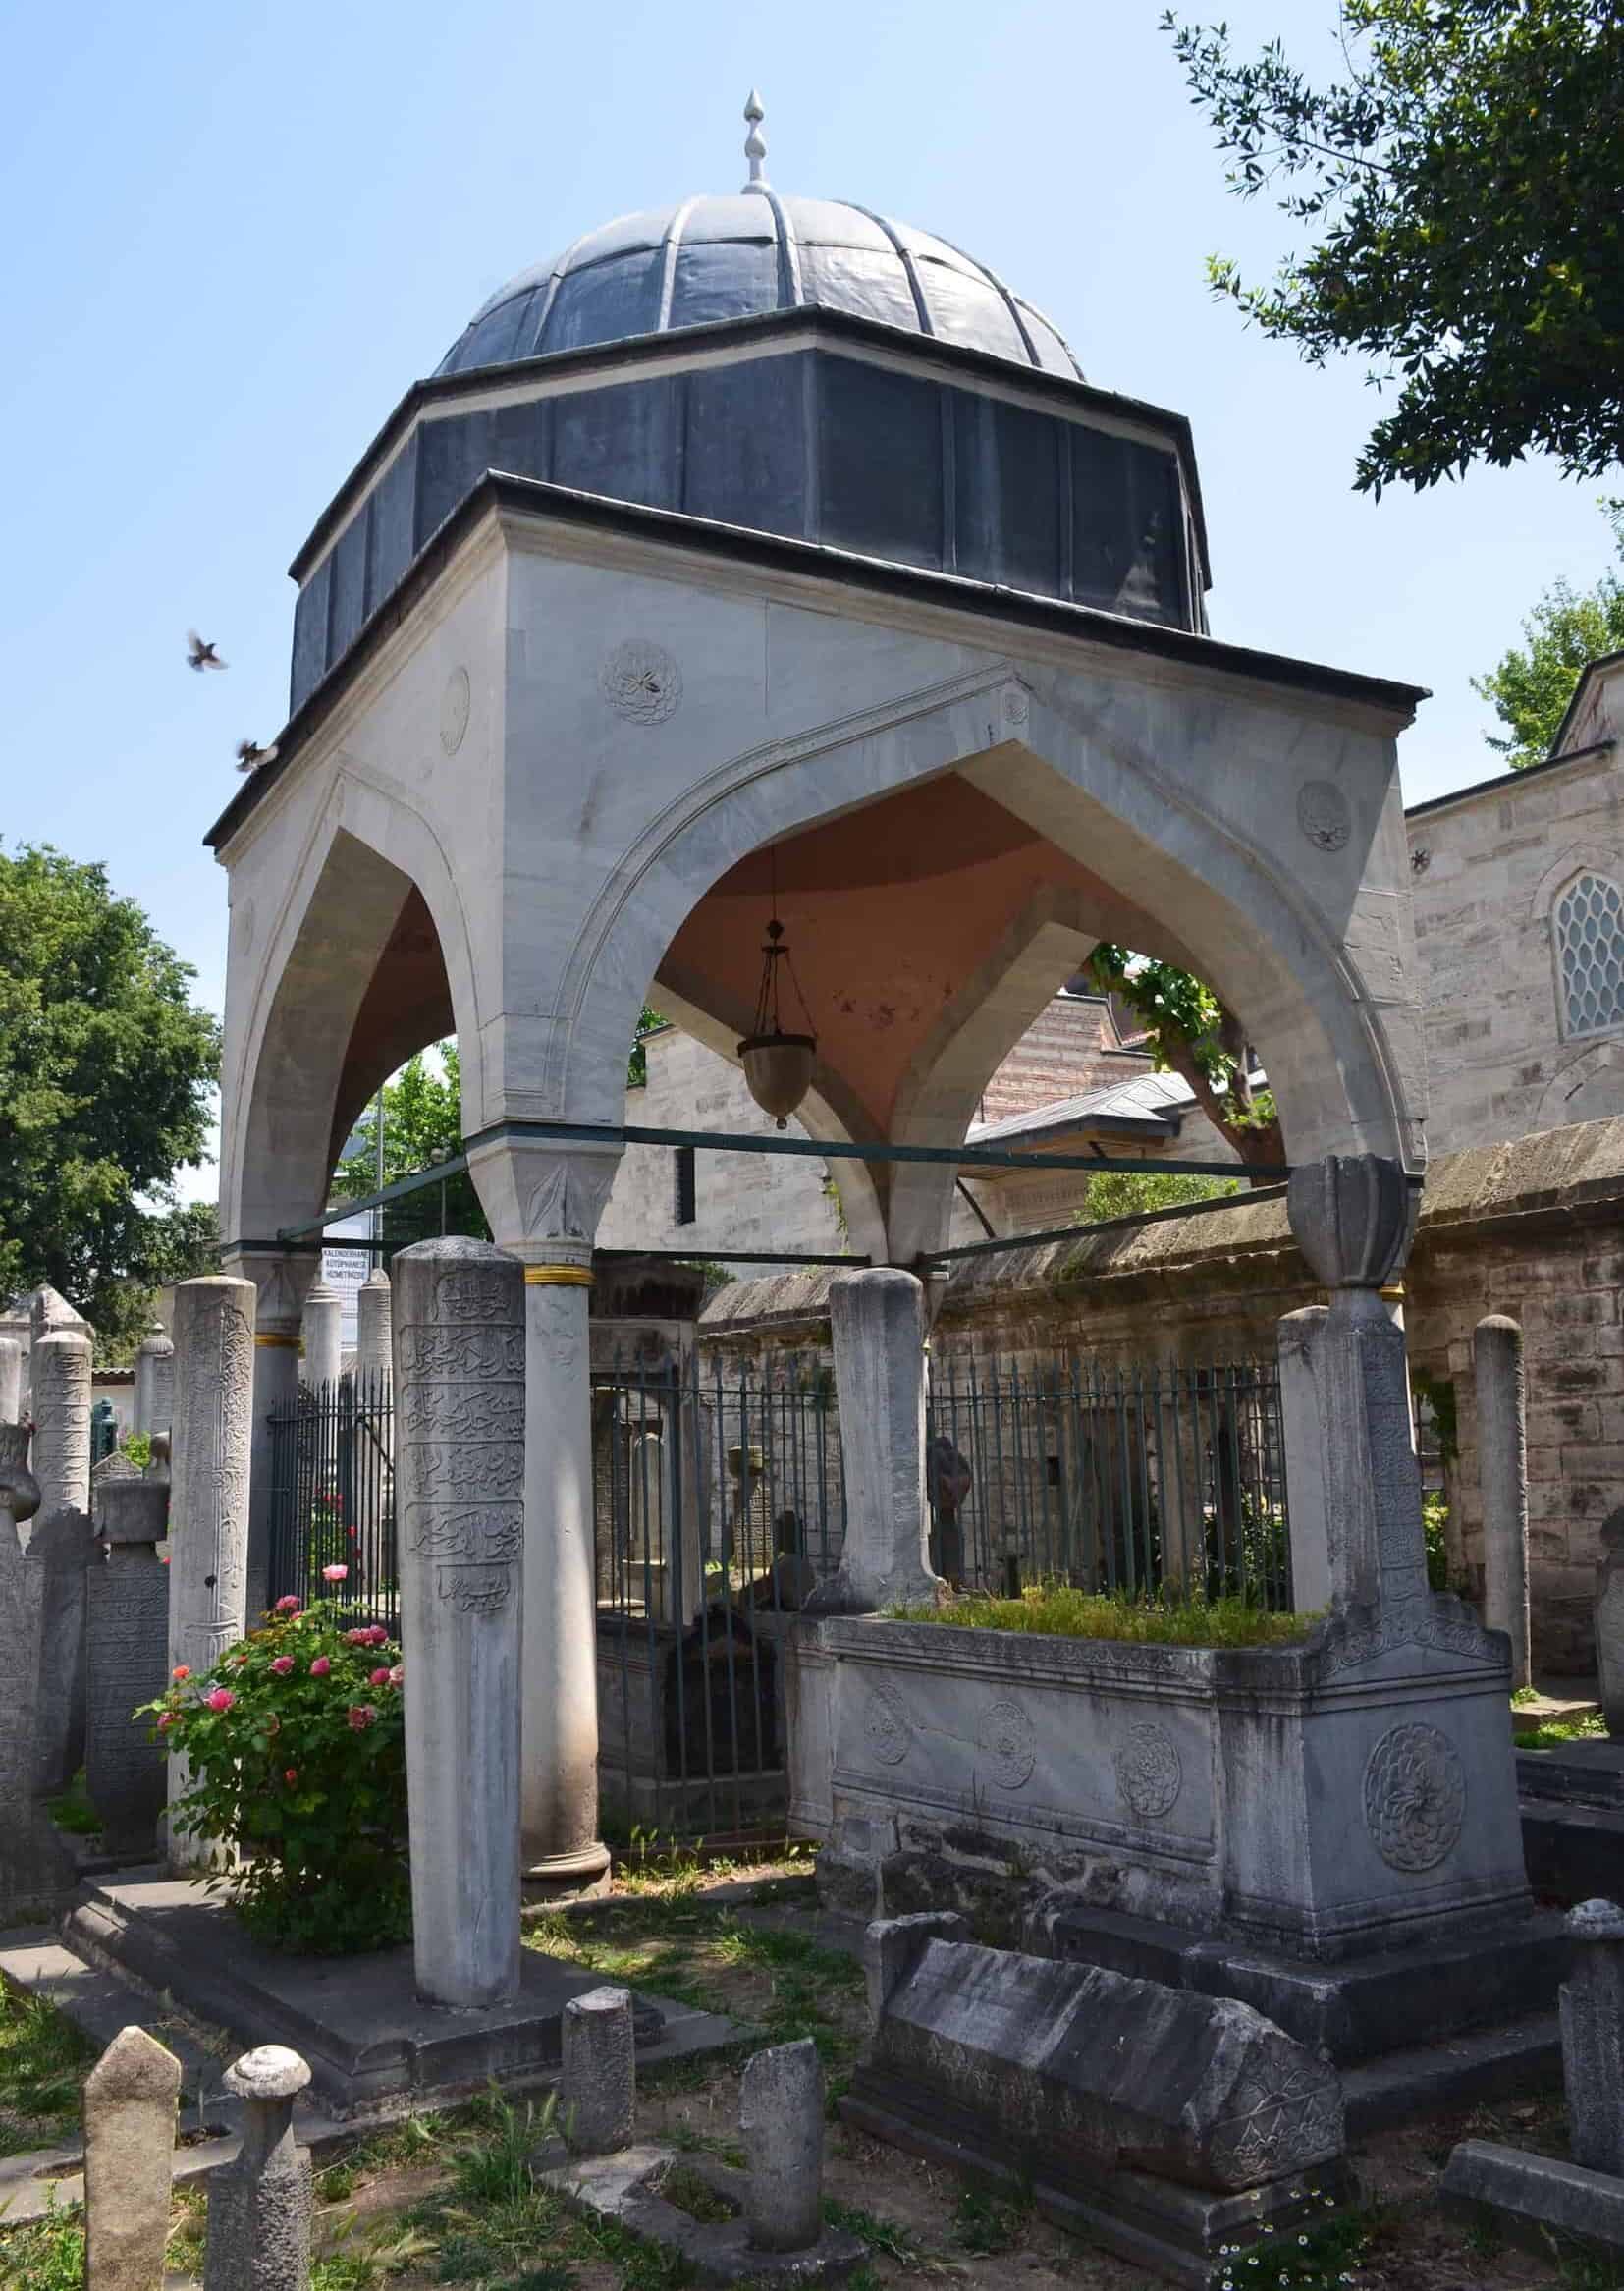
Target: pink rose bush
[(295, 1746)]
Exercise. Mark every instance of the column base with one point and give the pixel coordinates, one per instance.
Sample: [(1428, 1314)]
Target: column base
[(585, 1871)]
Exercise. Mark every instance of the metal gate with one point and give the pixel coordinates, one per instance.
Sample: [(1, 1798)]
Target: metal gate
[(719, 1504)]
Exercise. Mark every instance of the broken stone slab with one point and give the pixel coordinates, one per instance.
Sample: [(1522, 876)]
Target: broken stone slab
[(38, 1872), (129, 2100), (1533, 2197), (1591, 2005), (1162, 2122), (626, 2189)]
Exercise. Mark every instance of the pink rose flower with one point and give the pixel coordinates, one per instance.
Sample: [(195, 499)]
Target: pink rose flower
[(378, 1636), (168, 1718), (334, 1574), (221, 1699), (283, 1665), (290, 1776), (180, 1670), (379, 1679), (357, 1639), (397, 1674), (287, 1605), (320, 1667), (361, 1715)]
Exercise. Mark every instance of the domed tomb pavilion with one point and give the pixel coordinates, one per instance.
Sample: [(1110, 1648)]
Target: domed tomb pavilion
[(761, 562), (799, 367)]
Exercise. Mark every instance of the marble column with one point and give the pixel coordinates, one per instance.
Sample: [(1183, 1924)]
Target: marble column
[(544, 1202), (154, 1409), (1502, 1477), (877, 1319), (459, 1472), (1353, 1217), (374, 1348), (281, 1279), (61, 1548), (323, 1337), (1297, 1339), (208, 1511)]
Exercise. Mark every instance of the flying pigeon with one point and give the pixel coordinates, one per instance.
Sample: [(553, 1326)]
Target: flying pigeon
[(250, 755), (201, 655)]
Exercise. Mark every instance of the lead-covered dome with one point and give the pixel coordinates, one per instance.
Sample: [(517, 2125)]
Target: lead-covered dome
[(742, 256)]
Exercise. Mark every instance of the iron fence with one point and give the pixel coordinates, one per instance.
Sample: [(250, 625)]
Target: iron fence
[(719, 1507)]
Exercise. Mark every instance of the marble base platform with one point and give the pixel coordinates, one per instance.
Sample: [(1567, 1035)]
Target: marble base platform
[(356, 2020)]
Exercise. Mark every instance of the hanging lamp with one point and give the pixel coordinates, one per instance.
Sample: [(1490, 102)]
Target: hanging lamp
[(777, 1067)]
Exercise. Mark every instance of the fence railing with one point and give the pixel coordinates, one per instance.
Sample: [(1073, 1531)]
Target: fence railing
[(719, 1505)]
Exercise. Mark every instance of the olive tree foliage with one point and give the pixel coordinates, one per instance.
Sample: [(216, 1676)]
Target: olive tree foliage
[(1459, 194), (1196, 1036), (106, 1072), (1533, 682)]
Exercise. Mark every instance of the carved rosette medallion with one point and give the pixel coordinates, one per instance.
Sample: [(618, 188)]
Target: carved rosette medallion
[(887, 1724), (1008, 1745), (455, 704), (1415, 1797), (1149, 1774), (1322, 814), (641, 682), (1016, 706)]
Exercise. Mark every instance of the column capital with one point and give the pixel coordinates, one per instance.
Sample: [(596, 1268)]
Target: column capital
[(1354, 1217), (282, 1280), (544, 1200)]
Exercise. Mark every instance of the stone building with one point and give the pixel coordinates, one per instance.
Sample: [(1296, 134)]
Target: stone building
[(1519, 915), (1080, 1077)]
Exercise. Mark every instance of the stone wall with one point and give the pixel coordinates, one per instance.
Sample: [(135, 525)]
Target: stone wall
[(1531, 1228), (1488, 866)]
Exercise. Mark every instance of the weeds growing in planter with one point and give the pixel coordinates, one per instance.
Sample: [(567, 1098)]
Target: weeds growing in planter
[(1057, 1610), (295, 1746)]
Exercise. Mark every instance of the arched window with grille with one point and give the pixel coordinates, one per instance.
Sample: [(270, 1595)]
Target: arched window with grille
[(1590, 954)]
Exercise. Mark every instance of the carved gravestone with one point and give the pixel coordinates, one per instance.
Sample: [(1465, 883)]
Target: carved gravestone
[(460, 1498), (155, 1382), (259, 2208), (61, 1548), (128, 1633), (1609, 1623), (36, 1870)]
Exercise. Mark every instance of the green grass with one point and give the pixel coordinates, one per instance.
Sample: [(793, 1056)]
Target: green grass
[(44, 2061), (1556, 1732), (46, 2256), (73, 1810), (1056, 1611), (678, 1947)]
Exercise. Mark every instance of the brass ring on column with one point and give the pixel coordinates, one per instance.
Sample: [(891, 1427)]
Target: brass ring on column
[(558, 1277), (269, 1337)]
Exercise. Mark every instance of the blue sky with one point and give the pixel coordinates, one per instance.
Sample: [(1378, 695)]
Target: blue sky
[(235, 237)]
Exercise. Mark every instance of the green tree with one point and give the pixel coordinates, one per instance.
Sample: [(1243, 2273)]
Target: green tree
[(106, 1068), (1132, 1192), (1533, 682), (422, 1108), (1462, 189), (1195, 1036)]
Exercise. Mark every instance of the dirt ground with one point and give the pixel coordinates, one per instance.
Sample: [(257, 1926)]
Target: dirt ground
[(453, 2200)]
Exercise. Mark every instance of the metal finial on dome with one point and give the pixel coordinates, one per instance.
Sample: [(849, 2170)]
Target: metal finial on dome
[(755, 142)]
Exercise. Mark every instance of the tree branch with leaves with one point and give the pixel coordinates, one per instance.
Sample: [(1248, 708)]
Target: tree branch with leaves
[(1196, 1036), (1462, 188)]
